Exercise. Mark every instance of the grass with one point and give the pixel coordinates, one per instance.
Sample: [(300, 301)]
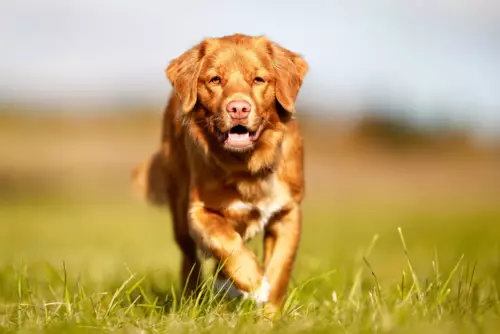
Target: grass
[(87, 263)]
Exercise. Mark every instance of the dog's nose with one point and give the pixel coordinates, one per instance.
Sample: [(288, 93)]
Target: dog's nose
[(238, 109)]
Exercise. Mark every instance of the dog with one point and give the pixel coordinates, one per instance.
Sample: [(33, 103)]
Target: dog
[(230, 164)]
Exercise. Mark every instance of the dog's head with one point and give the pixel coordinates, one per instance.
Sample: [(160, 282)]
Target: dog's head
[(237, 90)]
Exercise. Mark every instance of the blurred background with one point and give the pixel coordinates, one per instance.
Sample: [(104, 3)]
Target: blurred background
[(400, 113)]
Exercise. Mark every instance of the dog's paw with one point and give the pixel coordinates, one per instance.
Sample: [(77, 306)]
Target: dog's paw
[(261, 295), (226, 288)]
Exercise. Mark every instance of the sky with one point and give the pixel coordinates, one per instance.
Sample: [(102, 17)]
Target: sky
[(437, 58)]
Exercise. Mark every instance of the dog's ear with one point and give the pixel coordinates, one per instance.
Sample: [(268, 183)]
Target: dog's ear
[(183, 72), (290, 69)]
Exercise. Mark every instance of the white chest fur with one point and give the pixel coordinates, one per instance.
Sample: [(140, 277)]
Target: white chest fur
[(266, 209), (275, 200)]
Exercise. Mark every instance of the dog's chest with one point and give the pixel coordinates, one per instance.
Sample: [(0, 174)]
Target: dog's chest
[(250, 217)]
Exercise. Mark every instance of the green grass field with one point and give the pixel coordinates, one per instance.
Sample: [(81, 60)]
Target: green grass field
[(79, 254), (83, 262)]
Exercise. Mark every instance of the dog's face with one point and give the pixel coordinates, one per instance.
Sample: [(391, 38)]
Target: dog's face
[(235, 89)]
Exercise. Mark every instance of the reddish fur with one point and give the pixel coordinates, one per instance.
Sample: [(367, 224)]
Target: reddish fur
[(198, 178)]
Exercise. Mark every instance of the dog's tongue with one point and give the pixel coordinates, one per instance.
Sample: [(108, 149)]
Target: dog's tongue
[(239, 139)]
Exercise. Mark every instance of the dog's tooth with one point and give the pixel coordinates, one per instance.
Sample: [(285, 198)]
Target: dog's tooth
[(239, 137)]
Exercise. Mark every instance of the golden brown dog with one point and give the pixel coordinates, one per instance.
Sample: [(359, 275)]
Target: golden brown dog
[(231, 161)]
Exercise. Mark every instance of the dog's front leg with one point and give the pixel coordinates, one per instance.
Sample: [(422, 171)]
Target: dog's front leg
[(216, 235), (281, 242)]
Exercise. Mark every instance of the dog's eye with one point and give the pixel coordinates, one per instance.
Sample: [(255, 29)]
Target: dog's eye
[(215, 80), (258, 80)]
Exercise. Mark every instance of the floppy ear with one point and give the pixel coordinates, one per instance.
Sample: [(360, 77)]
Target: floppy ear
[(290, 70), (183, 74)]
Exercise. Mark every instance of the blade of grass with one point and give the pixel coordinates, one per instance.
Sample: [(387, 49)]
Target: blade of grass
[(112, 303), (66, 298), (445, 291), (357, 277), (413, 273)]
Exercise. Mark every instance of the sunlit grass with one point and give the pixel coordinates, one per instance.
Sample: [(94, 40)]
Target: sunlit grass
[(96, 264)]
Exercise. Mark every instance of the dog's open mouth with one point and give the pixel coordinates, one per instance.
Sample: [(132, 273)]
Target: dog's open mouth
[(239, 136)]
